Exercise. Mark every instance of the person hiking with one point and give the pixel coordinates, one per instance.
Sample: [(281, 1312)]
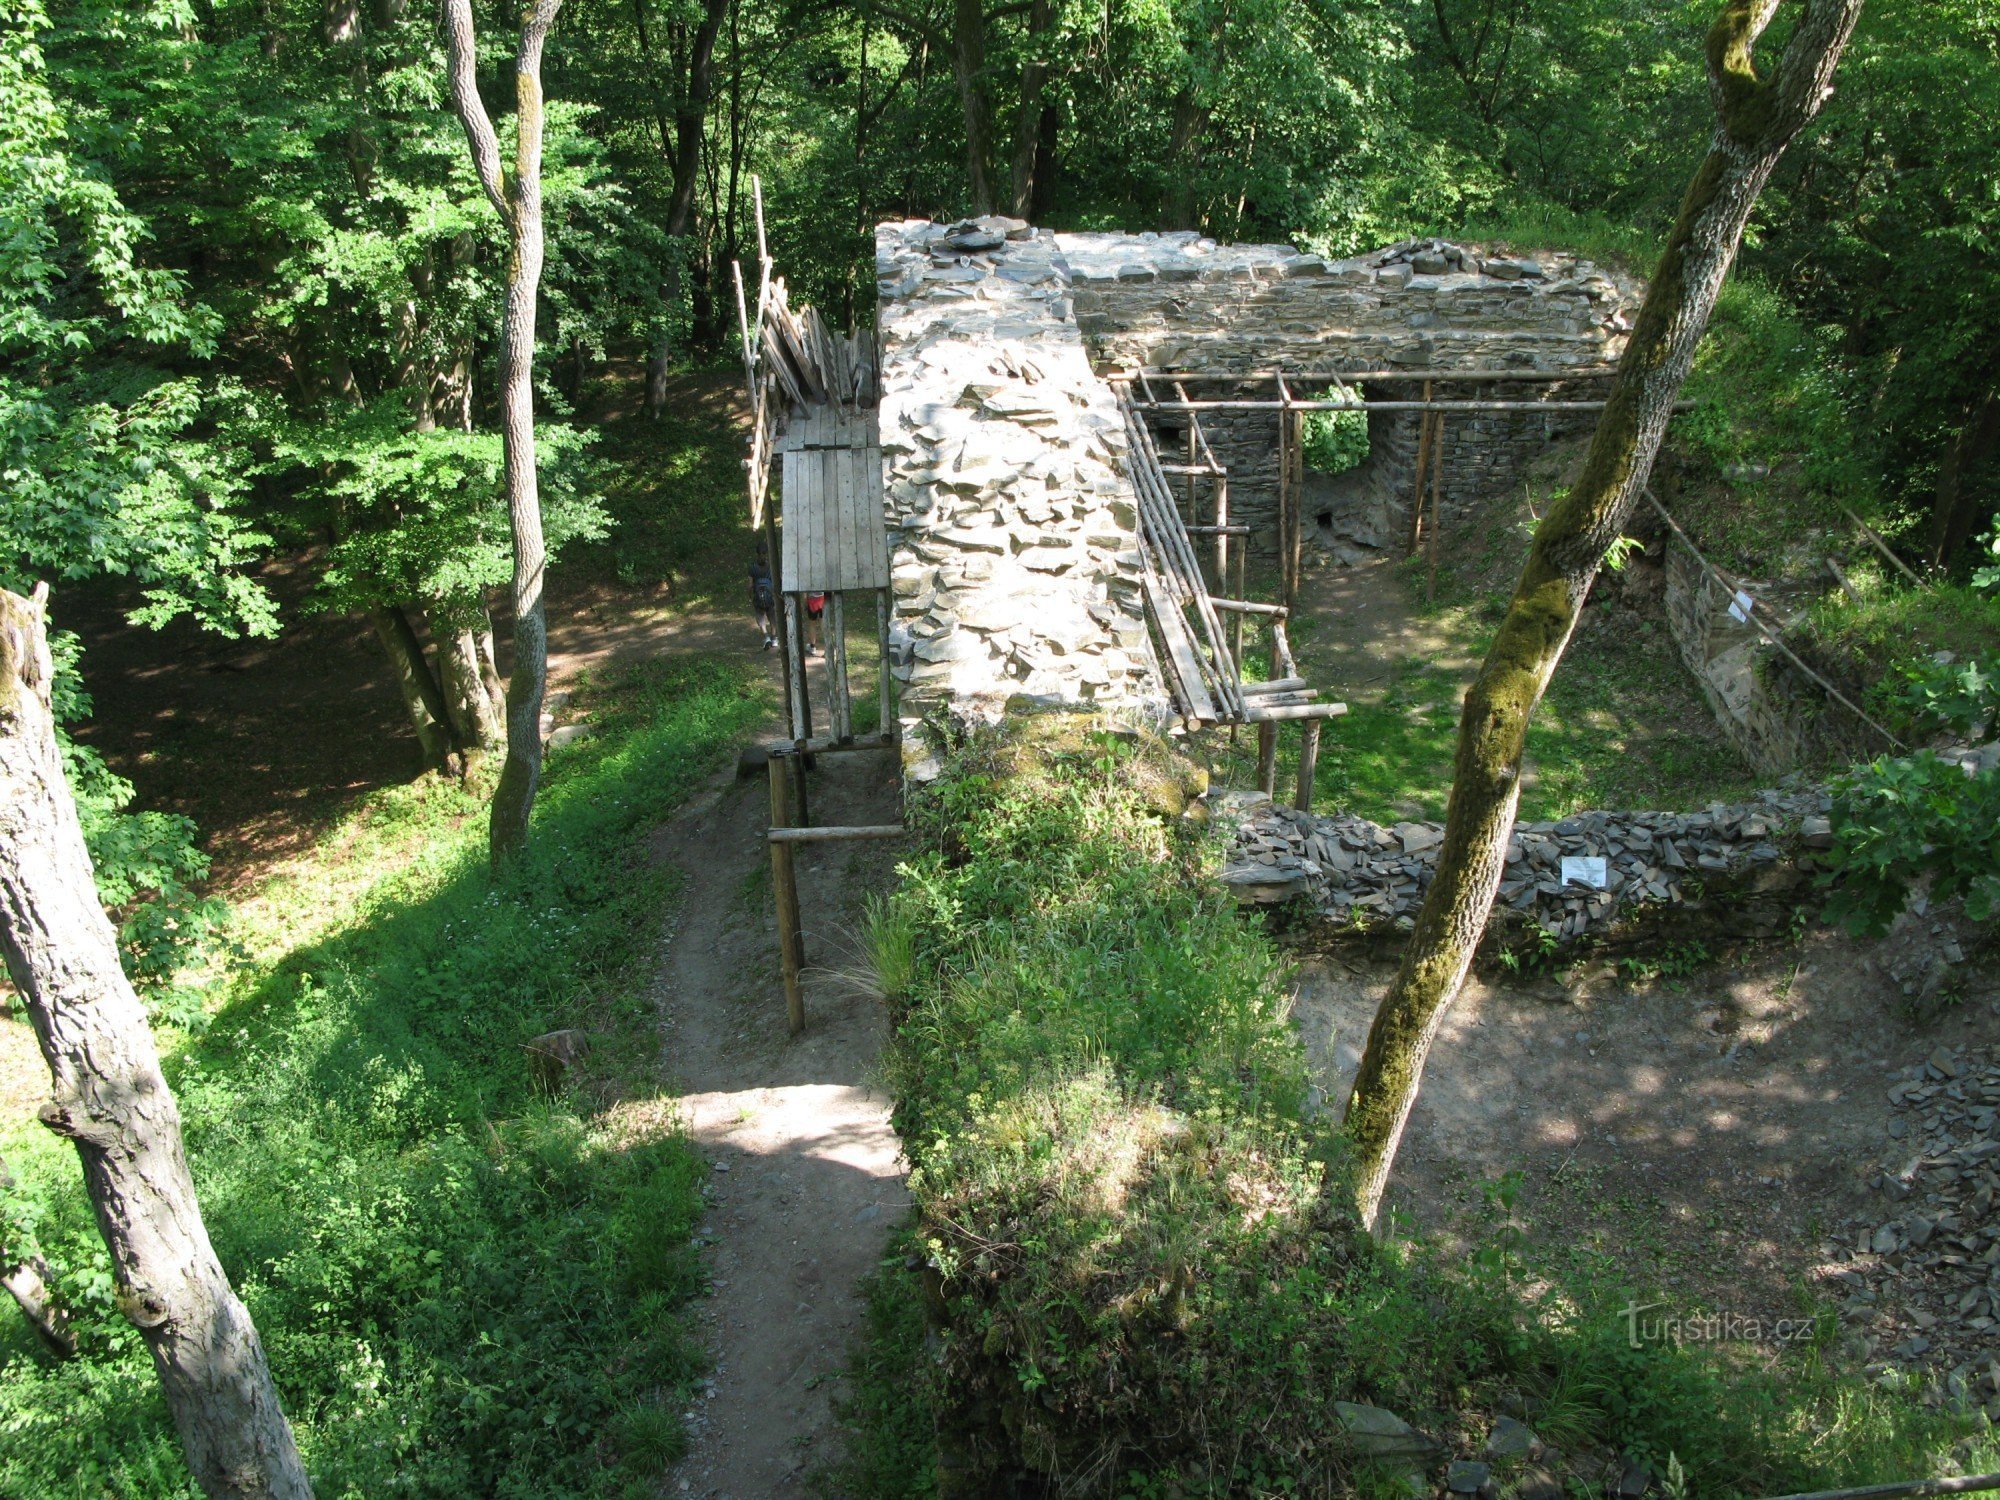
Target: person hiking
[(764, 600), (815, 607)]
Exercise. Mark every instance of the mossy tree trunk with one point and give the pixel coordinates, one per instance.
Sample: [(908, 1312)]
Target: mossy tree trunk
[(1757, 117), (517, 197), (110, 1099)]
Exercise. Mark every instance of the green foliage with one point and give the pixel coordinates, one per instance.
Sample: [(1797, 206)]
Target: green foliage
[(422, 515), (1332, 442), (466, 1287), (1676, 961), (1988, 578), (1865, 637), (1900, 822), (1941, 692)]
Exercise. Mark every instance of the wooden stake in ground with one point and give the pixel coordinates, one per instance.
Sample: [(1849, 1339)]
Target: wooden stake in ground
[(517, 198), (111, 1101), (1757, 117)]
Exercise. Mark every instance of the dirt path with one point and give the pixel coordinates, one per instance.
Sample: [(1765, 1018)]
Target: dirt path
[(1713, 1135), (808, 1176)]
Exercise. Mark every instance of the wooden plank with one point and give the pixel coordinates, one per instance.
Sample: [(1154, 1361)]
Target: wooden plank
[(872, 527), (789, 560), (847, 540)]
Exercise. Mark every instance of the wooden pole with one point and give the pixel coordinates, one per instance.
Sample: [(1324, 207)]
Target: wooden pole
[(1960, 1485), (1875, 540), (836, 833), (1423, 464), (840, 707), (1354, 377), (1284, 472), (785, 893), (790, 650), (885, 686), (1437, 508), (1308, 762), (1267, 758)]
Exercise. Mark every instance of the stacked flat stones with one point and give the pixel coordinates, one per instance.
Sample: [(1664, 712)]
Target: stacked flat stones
[(1014, 551), (1921, 1282), (1362, 873), (1185, 302)]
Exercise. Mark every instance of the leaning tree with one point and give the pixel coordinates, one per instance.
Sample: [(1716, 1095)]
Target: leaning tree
[(111, 1101), (1757, 116)]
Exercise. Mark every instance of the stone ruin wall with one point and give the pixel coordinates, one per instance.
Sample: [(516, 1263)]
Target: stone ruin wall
[(1015, 562), (1185, 302), (1015, 566), (1365, 878)]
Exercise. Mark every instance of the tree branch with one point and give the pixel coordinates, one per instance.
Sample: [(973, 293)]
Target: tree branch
[(462, 69)]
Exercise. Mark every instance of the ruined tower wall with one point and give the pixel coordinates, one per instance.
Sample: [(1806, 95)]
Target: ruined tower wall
[(1183, 302), (1015, 559)]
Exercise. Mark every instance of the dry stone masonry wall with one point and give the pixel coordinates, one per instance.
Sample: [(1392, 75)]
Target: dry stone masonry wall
[(1015, 560), (1364, 875), (1014, 554)]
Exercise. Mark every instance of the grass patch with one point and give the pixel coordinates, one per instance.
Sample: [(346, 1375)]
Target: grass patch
[(466, 1287), (1143, 1276), (1891, 623), (1622, 725)]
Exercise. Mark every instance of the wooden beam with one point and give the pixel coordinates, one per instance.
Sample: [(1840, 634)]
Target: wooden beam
[(836, 833), (1316, 377), (1287, 711), (1267, 758), (827, 745), (785, 893), (1251, 607)]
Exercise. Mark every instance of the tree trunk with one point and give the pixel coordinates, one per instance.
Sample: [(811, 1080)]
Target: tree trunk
[(25, 1274), (1757, 119), (968, 65), (518, 199), (1955, 515), (691, 116), (1028, 119), (476, 715), (111, 1100), (423, 699)]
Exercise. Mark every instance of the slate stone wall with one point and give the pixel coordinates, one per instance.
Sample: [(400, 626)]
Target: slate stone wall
[(1181, 301), (1012, 527)]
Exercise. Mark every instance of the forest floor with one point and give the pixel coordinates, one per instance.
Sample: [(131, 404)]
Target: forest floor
[(1712, 1132)]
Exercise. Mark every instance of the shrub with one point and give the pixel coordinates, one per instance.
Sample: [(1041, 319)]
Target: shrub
[(1141, 1270), (1900, 822)]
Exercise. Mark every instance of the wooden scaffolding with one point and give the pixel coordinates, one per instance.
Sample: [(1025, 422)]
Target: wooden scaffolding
[(1201, 657), (813, 400)]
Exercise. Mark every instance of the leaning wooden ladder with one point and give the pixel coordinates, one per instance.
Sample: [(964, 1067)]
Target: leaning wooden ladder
[(1201, 661)]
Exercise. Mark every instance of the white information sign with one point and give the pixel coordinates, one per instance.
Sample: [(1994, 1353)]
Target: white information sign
[(1584, 869)]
